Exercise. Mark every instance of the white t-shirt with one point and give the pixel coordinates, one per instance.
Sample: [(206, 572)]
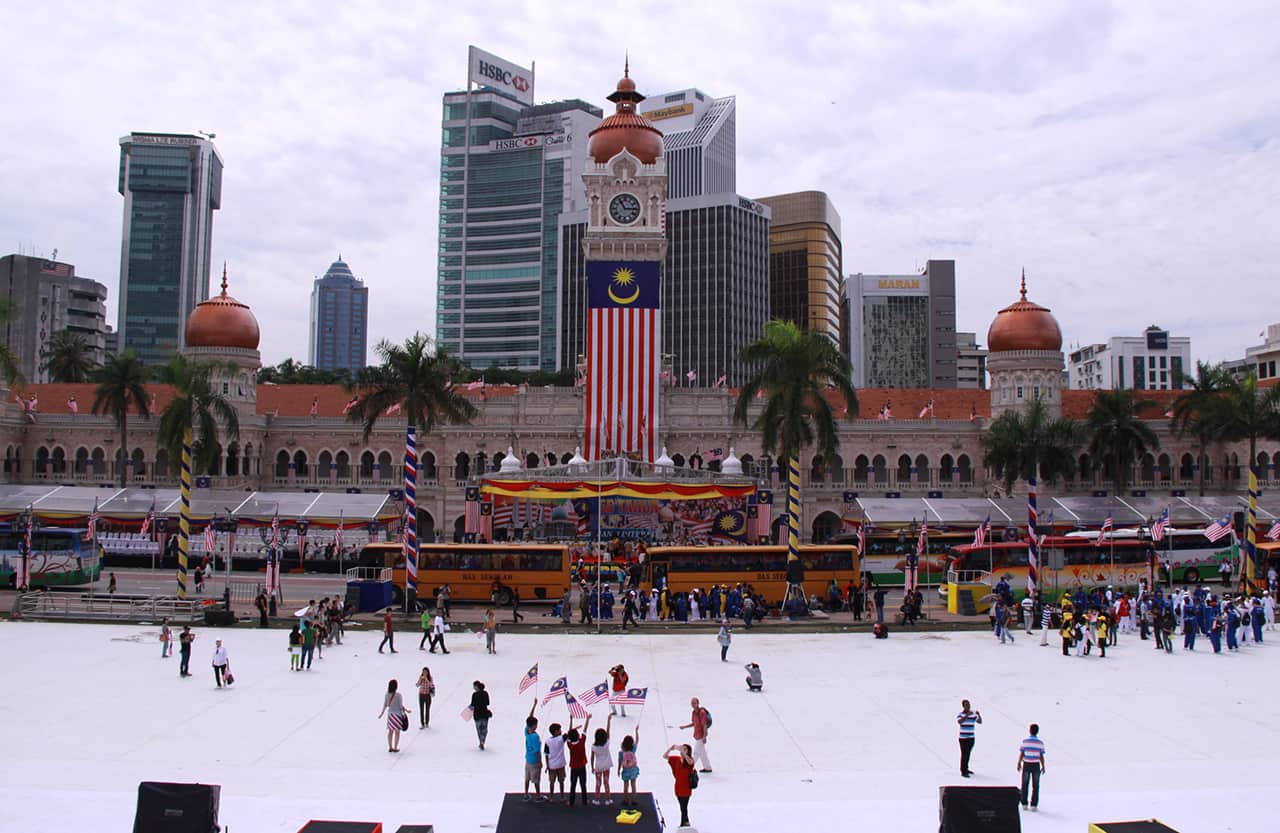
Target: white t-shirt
[(437, 625), (604, 758), (555, 752)]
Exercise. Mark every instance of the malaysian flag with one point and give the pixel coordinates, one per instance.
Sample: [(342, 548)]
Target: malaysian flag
[(478, 384), (1274, 533), (275, 532), (595, 695), (982, 532), (631, 697), (529, 679), (346, 409), (1107, 526), (624, 338), (148, 521), (1160, 525), (862, 536), (337, 534), (922, 543), (575, 708), (1219, 529), (503, 513), (210, 538), (315, 406), (392, 409), (92, 532), (558, 689), (697, 527)]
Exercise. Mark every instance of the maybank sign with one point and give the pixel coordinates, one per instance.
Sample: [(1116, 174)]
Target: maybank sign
[(488, 70), (668, 112)]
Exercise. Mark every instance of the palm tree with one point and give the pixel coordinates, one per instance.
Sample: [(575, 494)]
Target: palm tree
[(68, 358), (1029, 443), (1250, 413), (794, 368), (418, 377), (1117, 435), (121, 386), (1199, 410), (196, 406), (9, 369)]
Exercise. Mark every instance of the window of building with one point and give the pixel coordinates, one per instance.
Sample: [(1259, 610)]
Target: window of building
[(1019, 391), (1164, 361)]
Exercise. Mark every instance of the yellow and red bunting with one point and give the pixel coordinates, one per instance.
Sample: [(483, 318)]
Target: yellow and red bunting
[(560, 490)]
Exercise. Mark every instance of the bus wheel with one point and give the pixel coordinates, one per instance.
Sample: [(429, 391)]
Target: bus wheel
[(503, 596), (1191, 576), (397, 595)]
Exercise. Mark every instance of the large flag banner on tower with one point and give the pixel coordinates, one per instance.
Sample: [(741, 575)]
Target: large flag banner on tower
[(624, 341)]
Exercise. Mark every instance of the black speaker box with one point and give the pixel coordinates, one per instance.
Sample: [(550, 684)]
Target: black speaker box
[(177, 808), (979, 810)]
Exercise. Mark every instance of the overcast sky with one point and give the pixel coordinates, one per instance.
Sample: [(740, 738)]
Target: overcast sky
[(1126, 154)]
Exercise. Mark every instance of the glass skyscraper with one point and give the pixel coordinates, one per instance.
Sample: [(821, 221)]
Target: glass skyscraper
[(339, 320), (171, 184), (507, 172)]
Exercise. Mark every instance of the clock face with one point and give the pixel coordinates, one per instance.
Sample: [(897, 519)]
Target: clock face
[(624, 209)]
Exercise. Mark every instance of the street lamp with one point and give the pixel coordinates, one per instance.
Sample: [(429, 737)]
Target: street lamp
[(28, 519)]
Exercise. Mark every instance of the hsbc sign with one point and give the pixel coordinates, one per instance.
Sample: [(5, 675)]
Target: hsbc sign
[(518, 143), (489, 70)]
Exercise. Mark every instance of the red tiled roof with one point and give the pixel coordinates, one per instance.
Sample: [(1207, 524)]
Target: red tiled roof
[(55, 398), (295, 400)]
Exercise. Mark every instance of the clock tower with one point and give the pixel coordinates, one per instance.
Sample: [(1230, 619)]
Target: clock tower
[(625, 243)]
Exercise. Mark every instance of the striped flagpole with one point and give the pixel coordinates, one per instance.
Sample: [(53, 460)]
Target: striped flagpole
[(184, 516), (1033, 546), (411, 515), (793, 508), (1251, 531)]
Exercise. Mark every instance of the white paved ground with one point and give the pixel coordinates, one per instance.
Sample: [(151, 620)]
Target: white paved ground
[(849, 730)]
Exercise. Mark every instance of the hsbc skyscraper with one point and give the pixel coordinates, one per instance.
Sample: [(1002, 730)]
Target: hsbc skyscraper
[(508, 170)]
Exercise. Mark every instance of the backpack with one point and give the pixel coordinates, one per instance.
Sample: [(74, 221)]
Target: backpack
[(628, 759), (707, 715)]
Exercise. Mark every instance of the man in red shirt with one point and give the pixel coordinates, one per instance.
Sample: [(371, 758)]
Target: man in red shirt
[(620, 679), (699, 723), (577, 745), (388, 632)]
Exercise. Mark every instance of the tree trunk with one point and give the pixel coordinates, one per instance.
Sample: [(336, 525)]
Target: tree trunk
[(124, 450), (1200, 465)]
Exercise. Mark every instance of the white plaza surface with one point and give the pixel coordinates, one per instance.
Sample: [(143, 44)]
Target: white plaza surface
[(849, 731)]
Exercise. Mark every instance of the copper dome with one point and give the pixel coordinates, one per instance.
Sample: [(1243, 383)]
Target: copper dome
[(1024, 325), (626, 129), (222, 321)]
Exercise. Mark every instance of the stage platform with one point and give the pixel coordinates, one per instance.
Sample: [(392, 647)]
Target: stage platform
[(520, 816)]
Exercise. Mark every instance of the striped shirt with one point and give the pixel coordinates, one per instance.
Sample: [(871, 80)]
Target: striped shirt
[(1032, 750), (967, 721)]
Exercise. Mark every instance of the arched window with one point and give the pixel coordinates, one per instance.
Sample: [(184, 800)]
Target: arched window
[(343, 461), (1187, 468), (246, 463), (836, 470), (300, 463), (966, 469), (385, 467), (99, 458), (860, 466), (922, 468), (59, 460), (366, 464), (881, 467), (282, 463), (43, 461), (531, 460), (1163, 465), (481, 463), (216, 466), (233, 460), (496, 462), (462, 466), (82, 460), (678, 460), (324, 465), (748, 464), (139, 463), (162, 462), (904, 468), (945, 467), (1084, 469), (1148, 473), (8, 459), (817, 470), (825, 526), (565, 458)]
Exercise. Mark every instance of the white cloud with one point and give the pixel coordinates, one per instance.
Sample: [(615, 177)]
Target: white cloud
[(1125, 154)]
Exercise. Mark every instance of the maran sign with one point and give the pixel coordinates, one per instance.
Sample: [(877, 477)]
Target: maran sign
[(488, 70)]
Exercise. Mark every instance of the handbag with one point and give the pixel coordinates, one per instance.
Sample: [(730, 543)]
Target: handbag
[(404, 721), (693, 778), (227, 677)]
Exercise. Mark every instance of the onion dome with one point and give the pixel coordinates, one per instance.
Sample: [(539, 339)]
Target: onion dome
[(222, 321), (625, 129), (1024, 325), (664, 462), (731, 464), (510, 464)]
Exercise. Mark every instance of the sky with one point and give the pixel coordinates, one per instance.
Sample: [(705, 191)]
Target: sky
[(1125, 154)]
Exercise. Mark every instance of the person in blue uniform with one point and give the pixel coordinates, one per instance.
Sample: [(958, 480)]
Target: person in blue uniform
[(1258, 619), (1233, 624), (1189, 626), (1215, 634)]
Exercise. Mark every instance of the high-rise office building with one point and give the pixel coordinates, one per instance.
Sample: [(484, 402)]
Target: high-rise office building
[(1152, 361), (508, 169), (903, 328), (715, 286), (171, 184), (699, 141), (46, 297), (805, 262), (339, 320), (971, 362)]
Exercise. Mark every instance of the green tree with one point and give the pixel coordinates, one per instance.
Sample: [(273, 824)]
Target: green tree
[(1117, 435), (1199, 411), (196, 405), (1250, 413), (9, 369), (418, 377), (290, 372), (792, 371), (1028, 443), (122, 386), (68, 358)]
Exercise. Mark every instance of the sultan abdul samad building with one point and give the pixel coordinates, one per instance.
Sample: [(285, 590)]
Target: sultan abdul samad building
[(907, 443)]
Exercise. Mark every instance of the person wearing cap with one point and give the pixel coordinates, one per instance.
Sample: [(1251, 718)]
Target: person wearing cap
[(1232, 617), (1189, 626), (1257, 618), (724, 638)]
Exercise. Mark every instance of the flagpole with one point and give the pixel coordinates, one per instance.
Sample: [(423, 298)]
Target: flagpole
[(1251, 531)]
